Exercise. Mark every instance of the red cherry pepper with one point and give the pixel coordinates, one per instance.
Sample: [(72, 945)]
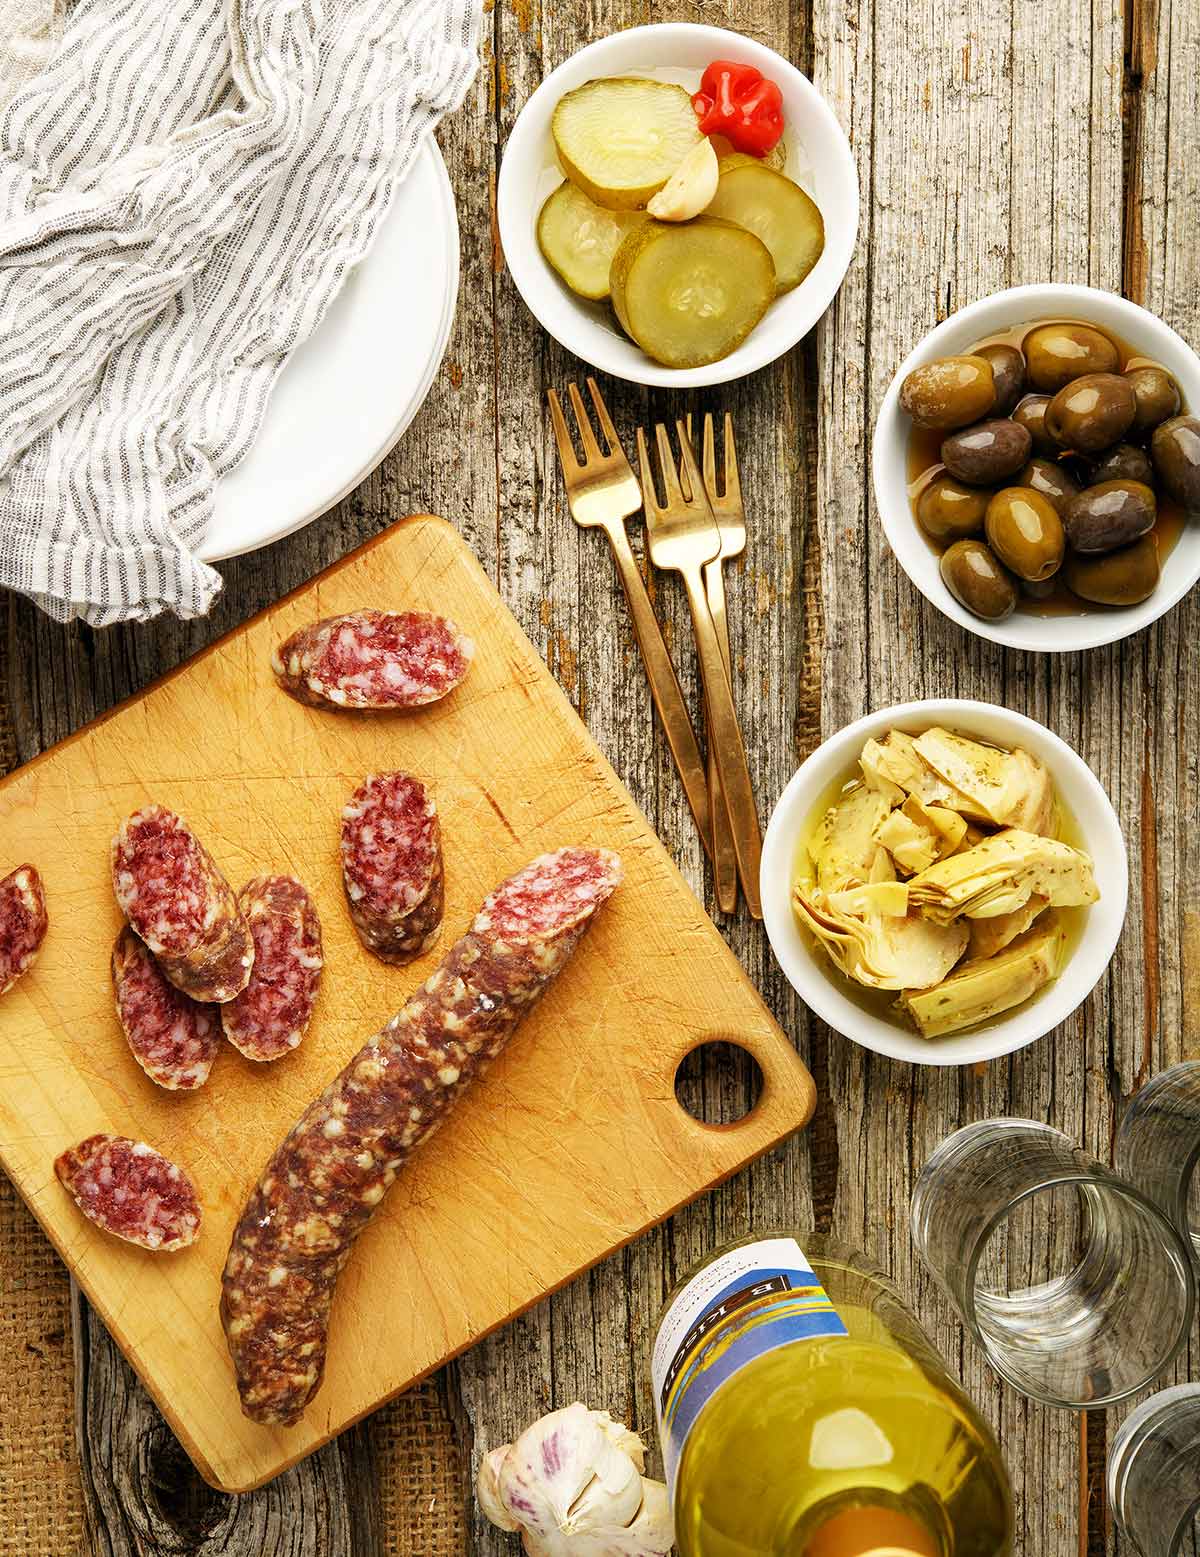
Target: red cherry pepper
[(739, 102)]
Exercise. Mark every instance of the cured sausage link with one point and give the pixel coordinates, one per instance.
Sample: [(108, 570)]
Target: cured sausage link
[(324, 1182), (23, 923)]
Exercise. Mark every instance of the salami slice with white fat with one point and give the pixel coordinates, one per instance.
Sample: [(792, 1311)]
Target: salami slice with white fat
[(23, 923), (131, 1191), (175, 897), (324, 1182), (392, 865), (172, 1037), (272, 1013), (374, 660)]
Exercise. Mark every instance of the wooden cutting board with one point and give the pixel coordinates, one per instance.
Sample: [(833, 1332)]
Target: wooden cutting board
[(573, 1144)]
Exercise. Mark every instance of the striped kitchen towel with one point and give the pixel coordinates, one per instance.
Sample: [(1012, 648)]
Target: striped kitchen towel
[(183, 189)]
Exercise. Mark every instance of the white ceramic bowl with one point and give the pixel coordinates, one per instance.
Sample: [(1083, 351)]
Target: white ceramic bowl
[(820, 160), (814, 978), (1022, 305)]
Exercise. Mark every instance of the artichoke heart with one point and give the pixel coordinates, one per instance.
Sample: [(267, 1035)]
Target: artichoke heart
[(989, 936), (1009, 789), (1000, 874), (982, 988), (894, 765), (844, 850), (875, 946), (916, 834)]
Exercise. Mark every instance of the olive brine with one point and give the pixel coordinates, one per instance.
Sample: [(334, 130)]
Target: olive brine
[(1052, 467)]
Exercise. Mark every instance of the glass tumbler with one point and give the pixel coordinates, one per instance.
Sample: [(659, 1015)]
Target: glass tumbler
[(1077, 1287), (1158, 1146), (1154, 1474)]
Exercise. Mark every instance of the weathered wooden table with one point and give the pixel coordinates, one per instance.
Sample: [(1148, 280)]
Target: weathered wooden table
[(996, 144)]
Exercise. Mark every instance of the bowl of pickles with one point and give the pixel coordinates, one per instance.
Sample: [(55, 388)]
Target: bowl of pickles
[(944, 882), (1037, 467), (677, 204)]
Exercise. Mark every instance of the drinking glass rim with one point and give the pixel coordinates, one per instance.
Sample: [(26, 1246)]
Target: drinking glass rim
[(1183, 1253)]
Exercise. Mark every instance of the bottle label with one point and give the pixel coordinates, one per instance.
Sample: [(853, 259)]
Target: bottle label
[(741, 1305)]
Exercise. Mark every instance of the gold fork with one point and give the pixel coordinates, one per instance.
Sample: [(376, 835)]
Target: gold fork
[(683, 537), (602, 492)]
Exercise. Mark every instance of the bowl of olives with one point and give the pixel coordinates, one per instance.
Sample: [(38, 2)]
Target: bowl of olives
[(1037, 467)]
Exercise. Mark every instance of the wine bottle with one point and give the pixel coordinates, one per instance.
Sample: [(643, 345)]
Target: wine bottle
[(803, 1412)]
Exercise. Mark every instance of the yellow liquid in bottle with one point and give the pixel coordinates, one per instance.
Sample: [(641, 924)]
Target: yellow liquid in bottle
[(843, 1446)]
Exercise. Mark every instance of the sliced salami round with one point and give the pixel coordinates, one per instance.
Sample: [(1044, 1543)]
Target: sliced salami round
[(272, 1013), (131, 1191), (374, 660), (325, 1181), (175, 897), (172, 1037), (392, 865), (23, 923)]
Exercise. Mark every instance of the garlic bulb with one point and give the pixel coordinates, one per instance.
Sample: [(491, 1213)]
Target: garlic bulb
[(691, 187), (572, 1484)]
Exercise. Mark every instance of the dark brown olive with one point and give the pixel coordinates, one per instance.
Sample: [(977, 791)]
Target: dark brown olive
[(1156, 394), (1124, 462), (1175, 450), (987, 453), (1091, 413), (1118, 578), (1039, 588), (948, 511), (1110, 515), (1052, 480), (1025, 532), (1008, 375), (1031, 415), (975, 578), (1058, 353), (951, 392)]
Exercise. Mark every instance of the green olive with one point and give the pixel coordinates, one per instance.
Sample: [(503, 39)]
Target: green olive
[(1091, 413), (948, 510), (1052, 480), (1112, 514), (1058, 353), (951, 392), (974, 576), (1123, 462), (1175, 450), (1116, 578), (1008, 374), (1156, 394), (1025, 532), (1031, 415)]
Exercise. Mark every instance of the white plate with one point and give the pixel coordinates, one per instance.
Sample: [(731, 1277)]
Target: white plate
[(820, 161), (345, 396)]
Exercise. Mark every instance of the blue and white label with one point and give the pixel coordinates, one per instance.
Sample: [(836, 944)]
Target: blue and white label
[(745, 1303)]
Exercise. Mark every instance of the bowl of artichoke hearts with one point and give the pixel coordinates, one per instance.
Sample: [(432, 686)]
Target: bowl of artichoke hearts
[(944, 882)]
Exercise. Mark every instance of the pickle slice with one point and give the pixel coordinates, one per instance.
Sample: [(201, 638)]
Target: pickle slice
[(620, 139), (579, 238), (689, 293), (776, 210)]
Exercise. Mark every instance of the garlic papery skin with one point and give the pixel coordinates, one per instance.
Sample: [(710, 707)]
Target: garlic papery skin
[(690, 189), (573, 1485)]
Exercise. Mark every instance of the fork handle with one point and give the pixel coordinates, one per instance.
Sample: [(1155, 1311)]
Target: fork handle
[(724, 856), (664, 686), (726, 741)]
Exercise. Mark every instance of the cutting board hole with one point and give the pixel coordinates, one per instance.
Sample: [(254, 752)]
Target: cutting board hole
[(718, 1083)]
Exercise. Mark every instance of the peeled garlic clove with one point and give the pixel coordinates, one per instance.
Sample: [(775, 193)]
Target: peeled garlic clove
[(691, 187), (572, 1485)]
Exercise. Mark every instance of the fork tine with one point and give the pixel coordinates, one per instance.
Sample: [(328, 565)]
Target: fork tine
[(683, 476), (602, 416), (666, 459), (566, 449), (689, 461), (650, 504), (591, 449), (710, 457), (733, 486)]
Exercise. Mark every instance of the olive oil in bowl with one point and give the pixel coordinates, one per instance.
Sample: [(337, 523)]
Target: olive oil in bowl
[(804, 1413)]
